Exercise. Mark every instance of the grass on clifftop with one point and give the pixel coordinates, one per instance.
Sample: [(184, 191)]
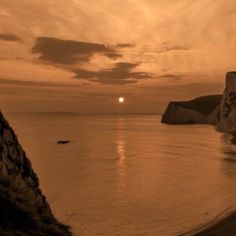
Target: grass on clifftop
[(21, 215)]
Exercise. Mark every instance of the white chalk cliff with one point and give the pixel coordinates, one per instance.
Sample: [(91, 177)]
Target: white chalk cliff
[(201, 110), (214, 109)]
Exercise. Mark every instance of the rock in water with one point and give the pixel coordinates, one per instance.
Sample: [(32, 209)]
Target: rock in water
[(201, 110), (24, 209)]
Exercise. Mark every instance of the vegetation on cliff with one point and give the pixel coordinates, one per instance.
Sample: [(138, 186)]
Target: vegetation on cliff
[(22, 215)]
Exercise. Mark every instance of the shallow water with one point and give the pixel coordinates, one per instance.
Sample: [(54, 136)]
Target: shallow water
[(129, 174)]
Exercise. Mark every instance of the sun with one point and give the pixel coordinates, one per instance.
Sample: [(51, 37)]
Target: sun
[(121, 99)]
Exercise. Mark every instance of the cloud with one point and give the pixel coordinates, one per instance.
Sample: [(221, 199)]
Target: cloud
[(171, 76), (10, 38), (184, 91), (173, 48), (121, 73), (124, 45), (40, 83), (69, 52)]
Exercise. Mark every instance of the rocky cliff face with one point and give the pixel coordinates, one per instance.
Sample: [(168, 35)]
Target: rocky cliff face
[(217, 110), (202, 110), (227, 118), (24, 209)]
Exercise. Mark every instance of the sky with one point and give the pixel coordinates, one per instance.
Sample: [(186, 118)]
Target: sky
[(80, 56)]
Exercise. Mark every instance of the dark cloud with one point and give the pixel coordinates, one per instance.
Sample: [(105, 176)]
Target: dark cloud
[(114, 82), (173, 48), (124, 45), (20, 83), (171, 76), (113, 55), (69, 52), (182, 92), (10, 38), (121, 73), (165, 48)]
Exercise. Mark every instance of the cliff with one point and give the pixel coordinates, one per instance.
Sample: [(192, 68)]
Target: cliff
[(203, 110), (227, 118), (215, 109), (24, 209)]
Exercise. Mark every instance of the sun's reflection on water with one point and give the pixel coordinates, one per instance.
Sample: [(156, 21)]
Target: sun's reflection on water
[(121, 154)]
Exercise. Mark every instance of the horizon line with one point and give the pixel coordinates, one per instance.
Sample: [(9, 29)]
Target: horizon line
[(88, 113)]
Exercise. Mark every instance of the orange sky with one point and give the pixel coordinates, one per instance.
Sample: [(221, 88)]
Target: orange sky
[(77, 55)]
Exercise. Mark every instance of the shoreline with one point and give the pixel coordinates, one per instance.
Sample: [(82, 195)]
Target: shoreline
[(222, 225)]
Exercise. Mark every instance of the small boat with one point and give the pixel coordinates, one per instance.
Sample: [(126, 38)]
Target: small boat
[(63, 141)]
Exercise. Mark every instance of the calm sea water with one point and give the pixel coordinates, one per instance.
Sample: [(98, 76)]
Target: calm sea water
[(129, 174)]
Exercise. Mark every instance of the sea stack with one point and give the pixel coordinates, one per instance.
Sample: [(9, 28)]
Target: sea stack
[(24, 209), (227, 118)]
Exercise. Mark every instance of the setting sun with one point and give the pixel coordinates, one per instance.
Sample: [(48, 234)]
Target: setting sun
[(121, 99)]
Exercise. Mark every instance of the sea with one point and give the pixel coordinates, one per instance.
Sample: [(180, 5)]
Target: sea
[(129, 175)]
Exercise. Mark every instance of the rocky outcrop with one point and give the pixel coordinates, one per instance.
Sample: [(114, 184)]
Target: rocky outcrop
[(227, 118), (216, 109), (24, 209), (202, 110)]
